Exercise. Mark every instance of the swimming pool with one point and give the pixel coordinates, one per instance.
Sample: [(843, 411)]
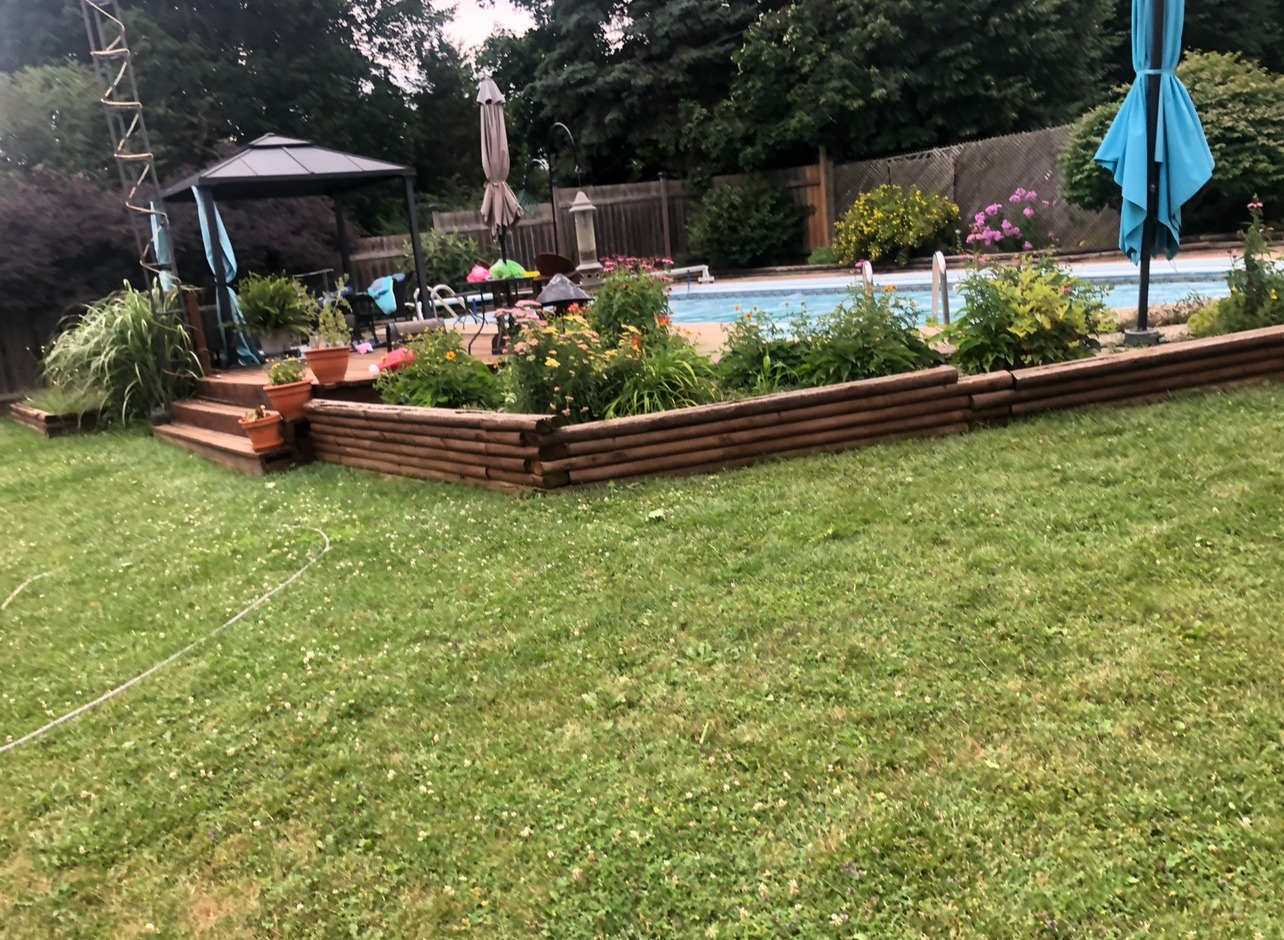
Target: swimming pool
[(783, 298)]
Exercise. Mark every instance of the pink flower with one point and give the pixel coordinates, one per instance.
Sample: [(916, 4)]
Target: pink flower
[(1255, 204), (1028, 246), (1031, 196), (1028, 212)]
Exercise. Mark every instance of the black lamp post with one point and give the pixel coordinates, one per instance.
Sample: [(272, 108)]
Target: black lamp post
[(579, 183)]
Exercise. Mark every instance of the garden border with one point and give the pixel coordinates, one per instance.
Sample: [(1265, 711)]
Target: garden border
[(51, 425), (528, 452)]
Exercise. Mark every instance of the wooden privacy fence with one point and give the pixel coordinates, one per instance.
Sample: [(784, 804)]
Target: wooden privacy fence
[(651, 219), (527, 452)]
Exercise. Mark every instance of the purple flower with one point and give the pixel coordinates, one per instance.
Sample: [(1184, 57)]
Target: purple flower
[(1028, 246), (979, 218), (1031, 196), (992, 209), (1028, 212), (1014, 198)]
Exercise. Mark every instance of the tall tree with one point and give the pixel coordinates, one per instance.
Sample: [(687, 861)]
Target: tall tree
[(625, 75), (868, 77)]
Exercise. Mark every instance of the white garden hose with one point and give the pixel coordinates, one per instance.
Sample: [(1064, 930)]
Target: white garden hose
[(19, 589), (261, 599)]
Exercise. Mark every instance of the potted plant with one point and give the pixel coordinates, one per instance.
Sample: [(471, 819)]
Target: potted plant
[(264, 429), (287, 388), (277, 309), (328, 355)]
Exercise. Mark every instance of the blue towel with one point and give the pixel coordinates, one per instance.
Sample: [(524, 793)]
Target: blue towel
[(380, 292)]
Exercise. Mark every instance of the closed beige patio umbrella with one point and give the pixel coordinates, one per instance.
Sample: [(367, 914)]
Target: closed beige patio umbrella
[(499, 207)]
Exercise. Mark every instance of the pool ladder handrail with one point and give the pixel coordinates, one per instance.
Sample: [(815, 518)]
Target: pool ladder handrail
[(940, 288), (867, 275)]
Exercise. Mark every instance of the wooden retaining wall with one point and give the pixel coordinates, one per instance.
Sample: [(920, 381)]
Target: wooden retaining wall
[(50, 425), (526, 452)]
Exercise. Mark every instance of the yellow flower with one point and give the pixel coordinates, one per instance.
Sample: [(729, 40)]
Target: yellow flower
[(551, 362), (450, 355)]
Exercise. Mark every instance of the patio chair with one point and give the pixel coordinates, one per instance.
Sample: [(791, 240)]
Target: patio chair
[(549, 264)]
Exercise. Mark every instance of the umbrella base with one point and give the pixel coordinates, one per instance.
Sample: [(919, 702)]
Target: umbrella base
[(1149, 337)]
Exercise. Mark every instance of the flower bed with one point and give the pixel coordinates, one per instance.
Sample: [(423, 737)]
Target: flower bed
[(529, 452)]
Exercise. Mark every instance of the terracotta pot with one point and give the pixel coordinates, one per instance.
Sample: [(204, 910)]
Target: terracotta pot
[(289, 399), (329, 363), (264, 433)]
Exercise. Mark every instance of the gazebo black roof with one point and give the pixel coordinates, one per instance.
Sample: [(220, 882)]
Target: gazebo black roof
[(280, 167)]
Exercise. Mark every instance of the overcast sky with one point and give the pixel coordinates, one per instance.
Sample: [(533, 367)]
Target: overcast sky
[(475, 21)]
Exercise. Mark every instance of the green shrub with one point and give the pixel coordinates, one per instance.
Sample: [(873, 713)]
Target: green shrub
[(138, 359), (558, 368), (1256, 288), (632, 297), (442, 375), (750, 224), (893, 222), (822, 255), (276, 304), (448, 257), (56, 400), (1029, 313), (1241, 107), (658, 372), (870, 334), (758, 357)]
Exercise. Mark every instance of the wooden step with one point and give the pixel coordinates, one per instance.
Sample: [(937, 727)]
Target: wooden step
[(212, 415), (231, 389), (229, 450)]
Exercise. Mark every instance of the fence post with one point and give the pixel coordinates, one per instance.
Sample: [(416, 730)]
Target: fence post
[(664, 215), (827, 208)]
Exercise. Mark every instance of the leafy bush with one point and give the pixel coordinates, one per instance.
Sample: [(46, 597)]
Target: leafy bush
[(1030, 313), (749, 224), (758, 357), (448, 257), (893, 222), (276, 304), (1011, 226), (870, 334), (138, 359), (632, 297), (68, 401), (1256, 288), (558, 367), (442, 375), (658, 372), (822, 255), (1241, 107)]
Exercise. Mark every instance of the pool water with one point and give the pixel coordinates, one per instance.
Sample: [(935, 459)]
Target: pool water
[(692, 305)]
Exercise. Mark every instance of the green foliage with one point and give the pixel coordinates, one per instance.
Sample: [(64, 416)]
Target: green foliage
[(894, 222), (448, 257), (286, 371), (442, 375), (558, 367), (57, 400), (658, 372), (632, 297), (883, 77), (823, 255), (1256, 287), (1029, 313), (759, 357), (332, 324), (870, 334), (750, 224), (1241, 107), (50, 118), (273, 304), (139, 360)]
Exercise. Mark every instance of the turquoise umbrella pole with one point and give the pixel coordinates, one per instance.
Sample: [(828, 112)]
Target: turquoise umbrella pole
[(1155, 149), (1152, 167)]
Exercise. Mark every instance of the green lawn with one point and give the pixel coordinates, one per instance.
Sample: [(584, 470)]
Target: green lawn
[(1023, 683)]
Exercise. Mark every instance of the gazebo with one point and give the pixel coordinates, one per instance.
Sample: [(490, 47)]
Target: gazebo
[(281, 167)]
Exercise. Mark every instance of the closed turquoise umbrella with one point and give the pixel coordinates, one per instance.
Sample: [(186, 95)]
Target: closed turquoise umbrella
[(1156, 148)]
